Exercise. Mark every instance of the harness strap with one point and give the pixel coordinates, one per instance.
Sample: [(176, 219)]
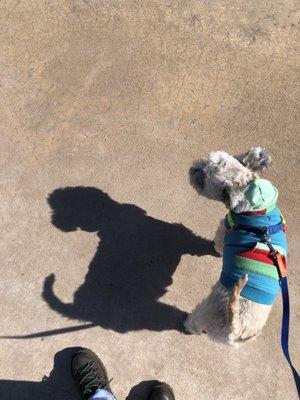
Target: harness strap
[(260, 231), (229, 220), (232, 226)]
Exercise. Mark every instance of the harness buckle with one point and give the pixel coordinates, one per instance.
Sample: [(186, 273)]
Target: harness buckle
[(274, 254), (279, 263), (265, 233)]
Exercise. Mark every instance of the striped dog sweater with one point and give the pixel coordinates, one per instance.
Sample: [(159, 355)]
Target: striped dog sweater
[(245, 251)]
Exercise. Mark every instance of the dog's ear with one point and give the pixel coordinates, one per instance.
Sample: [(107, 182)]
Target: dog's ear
[(197, 175), (234, 198), (256, 159)]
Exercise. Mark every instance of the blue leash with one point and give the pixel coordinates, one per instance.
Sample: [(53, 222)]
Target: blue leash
[(285, 326), (265, 234), (285, 330)]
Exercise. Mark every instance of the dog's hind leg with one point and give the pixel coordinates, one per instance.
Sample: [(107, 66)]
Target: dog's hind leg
[(195, 322), (191, 325)]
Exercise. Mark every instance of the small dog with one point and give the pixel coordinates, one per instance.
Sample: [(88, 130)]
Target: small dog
[(238, 306)]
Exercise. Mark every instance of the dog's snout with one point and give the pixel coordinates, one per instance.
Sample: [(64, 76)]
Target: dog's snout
[(197, 177)]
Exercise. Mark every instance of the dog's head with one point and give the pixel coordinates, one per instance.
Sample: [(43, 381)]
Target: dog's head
[(223, 177)]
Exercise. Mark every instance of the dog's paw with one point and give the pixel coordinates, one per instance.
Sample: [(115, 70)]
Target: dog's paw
[(257, 159), (189, 328), (186, 325), (218, 248)]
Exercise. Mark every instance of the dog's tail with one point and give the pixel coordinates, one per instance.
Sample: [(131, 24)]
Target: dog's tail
[(234, 321), (53, 301)]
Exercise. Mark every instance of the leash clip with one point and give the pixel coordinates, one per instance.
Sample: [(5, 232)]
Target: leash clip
[(265, 234), (274, 254), (267, 240), (281, 267), (278, 260)]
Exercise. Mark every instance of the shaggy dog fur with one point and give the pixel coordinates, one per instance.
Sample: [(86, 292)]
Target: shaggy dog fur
[(224, 314)]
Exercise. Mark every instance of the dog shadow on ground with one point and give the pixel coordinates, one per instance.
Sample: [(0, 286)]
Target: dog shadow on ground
[(59, 385), (133, 265), (131, 270)]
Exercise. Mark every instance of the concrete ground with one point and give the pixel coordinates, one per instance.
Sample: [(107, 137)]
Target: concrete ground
[(114, 100)]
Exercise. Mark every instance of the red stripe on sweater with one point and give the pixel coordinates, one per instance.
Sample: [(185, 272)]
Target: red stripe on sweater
[(259, 212), (260, 255)]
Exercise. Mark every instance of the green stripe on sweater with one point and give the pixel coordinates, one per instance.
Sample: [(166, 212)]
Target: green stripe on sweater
[(257, 267)]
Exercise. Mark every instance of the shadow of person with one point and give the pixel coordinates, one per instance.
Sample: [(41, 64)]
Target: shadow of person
[(133, 265), (59, 385)]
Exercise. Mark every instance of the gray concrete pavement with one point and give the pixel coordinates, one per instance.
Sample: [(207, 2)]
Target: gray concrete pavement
[(122, 96)]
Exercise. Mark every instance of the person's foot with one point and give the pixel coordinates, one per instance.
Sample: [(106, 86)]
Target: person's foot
[(89, 373), (162, 392)]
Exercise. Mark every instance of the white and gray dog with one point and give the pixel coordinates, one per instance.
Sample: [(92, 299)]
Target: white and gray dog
[(238, 306)]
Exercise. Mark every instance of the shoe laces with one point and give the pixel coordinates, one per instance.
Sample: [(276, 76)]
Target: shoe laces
[(88, 380)]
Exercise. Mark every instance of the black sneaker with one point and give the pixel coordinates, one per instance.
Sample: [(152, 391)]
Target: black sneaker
[(89, 373), (162, 392)]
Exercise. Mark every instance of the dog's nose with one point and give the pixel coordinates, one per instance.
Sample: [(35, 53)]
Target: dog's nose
[(197, 177)]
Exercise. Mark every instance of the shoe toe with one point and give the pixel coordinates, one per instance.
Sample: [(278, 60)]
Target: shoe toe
[(162, 392)]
